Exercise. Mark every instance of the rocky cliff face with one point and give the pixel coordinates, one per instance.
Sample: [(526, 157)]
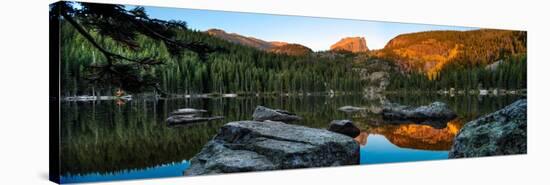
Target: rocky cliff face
[(351, 44), (274, 46)]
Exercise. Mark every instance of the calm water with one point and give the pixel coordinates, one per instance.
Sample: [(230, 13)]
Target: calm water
[(109, 140)]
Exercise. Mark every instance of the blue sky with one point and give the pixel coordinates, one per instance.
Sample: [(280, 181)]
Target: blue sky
[(315, 33)]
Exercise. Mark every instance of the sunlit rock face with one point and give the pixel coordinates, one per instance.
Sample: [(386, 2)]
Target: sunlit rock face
[(416, 136), (431, 51), (351, 44)]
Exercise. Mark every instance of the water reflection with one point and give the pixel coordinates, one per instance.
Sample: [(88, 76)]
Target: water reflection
[(106, 140), (380, 150), (164, 170), (418, 136)]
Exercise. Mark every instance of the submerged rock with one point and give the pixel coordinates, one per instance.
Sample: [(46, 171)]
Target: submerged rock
[(257, 146), (189, 115), (345, 127), (436, 114), (348, 108), (262, 113), (187, 111), (185, 119), (500, 133)]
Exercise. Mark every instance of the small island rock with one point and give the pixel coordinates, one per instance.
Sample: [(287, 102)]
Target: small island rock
[(262, 113), (436, 114), (345, 127)]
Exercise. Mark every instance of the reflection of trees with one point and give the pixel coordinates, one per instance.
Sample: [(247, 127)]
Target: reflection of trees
[(104, 137), (468, 107), (419, 136), (121, 138)]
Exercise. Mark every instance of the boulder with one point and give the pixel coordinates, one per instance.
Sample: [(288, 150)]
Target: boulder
[(345, 127), (350, 109), (257, 146), (262, 113), (503, 132), (436, 114)]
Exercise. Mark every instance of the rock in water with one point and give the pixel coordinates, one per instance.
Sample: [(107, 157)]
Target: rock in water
[(257, 146), (187, 111), (185, 119), (436, 112), (345, 127), (500, 133), (348, 108), (262, 113)]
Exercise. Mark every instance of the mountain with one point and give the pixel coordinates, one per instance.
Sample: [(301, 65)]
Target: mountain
[(239, 39), (275, 46), (350, 44), (431, 51), (291, 49)]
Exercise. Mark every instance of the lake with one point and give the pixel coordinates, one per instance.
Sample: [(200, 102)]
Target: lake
[(115, 140)]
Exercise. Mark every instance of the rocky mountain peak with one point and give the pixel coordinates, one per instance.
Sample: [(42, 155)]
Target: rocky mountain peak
[(351, 44)]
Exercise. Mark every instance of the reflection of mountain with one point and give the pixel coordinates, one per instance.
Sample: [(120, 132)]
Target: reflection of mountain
[(362, 138), (416, 136)]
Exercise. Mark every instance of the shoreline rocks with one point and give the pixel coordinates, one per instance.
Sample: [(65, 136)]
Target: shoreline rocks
[(436, 114), (345, 127), (262, 113), (503, 132), (257, 146)]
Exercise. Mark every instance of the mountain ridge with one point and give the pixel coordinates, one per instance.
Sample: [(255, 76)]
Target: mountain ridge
[(431, 51), (269, 46)]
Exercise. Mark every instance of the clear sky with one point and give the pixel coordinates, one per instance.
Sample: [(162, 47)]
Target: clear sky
[(315, 33)]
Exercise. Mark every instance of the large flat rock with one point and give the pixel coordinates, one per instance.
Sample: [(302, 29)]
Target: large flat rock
[(257, 146)]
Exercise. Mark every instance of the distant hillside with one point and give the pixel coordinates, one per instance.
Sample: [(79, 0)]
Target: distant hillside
[(350, 44), (275, 46), (432, 50)]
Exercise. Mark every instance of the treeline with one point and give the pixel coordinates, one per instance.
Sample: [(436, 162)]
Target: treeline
[(235, 69), (510, 74)]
